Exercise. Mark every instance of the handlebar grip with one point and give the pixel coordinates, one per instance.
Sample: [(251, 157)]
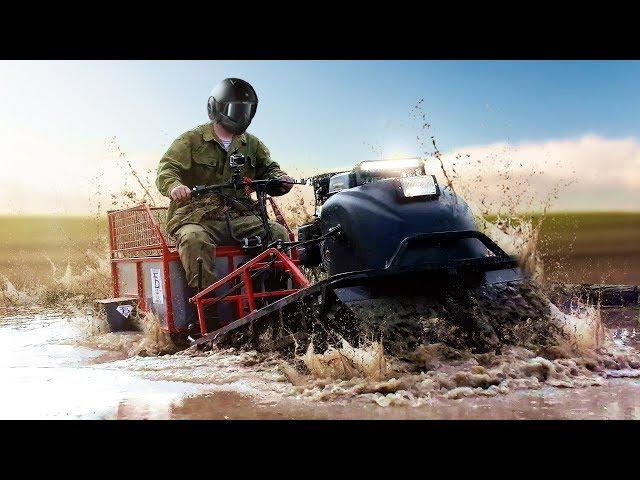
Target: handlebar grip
[(202, 189)]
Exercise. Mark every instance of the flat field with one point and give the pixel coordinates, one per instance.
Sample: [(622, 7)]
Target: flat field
[(598, 247)]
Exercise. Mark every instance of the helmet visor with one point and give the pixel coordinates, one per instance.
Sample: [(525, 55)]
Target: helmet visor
[(239, 111)]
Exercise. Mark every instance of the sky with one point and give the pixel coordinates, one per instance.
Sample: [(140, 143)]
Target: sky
[(62, 122)]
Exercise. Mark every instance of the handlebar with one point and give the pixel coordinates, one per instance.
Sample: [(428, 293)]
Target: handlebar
[(269, 186)]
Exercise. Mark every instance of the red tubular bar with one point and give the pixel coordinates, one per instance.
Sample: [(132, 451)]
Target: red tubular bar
[(243, 272), (248, 285), (233, 298), (142, 304), (136, 236), (280, 218)]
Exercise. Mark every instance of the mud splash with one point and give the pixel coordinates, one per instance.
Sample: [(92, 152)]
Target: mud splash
[(347, 362), (583, 357), (501, 202), (63, 287), (571, 350), (148, 340)]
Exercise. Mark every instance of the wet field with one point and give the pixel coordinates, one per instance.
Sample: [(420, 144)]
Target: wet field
[(583, 247), (55, 365)]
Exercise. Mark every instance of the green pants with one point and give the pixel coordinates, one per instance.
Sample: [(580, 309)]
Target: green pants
[(200, 240)]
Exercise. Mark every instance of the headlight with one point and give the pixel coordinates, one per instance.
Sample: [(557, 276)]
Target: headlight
[(418, 186), (393, 165), (341, 181)]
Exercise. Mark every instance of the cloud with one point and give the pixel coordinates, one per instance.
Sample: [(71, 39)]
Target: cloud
[(50, 175), (43, 174), (601, 173)]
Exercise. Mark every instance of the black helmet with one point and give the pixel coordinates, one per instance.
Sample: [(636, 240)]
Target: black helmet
[(232, 104)]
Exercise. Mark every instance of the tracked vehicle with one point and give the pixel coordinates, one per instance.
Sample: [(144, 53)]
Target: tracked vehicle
[(401, 256)]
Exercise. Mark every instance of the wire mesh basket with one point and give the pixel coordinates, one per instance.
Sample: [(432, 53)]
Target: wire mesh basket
[(138, 232)]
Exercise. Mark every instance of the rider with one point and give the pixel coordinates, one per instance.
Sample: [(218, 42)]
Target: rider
[(201, 157)]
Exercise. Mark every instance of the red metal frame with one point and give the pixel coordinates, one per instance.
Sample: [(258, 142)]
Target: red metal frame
[(245, 301), (135, 233)]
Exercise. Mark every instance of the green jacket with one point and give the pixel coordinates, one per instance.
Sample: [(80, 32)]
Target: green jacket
[(197, 157)]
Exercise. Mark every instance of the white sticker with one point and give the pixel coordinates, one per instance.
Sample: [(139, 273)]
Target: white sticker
[(125, 310), (156, 286)]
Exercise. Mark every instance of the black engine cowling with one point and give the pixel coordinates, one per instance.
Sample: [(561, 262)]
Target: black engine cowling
[(375, 218)]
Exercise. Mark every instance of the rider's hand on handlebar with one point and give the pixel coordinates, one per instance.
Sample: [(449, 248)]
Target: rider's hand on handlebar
[(286, 186), (248, 188), (180, 193)]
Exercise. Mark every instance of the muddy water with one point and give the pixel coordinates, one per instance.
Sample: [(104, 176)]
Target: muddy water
[(55, 365)]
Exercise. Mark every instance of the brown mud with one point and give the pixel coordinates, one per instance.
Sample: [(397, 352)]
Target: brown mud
[(87, 373)]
